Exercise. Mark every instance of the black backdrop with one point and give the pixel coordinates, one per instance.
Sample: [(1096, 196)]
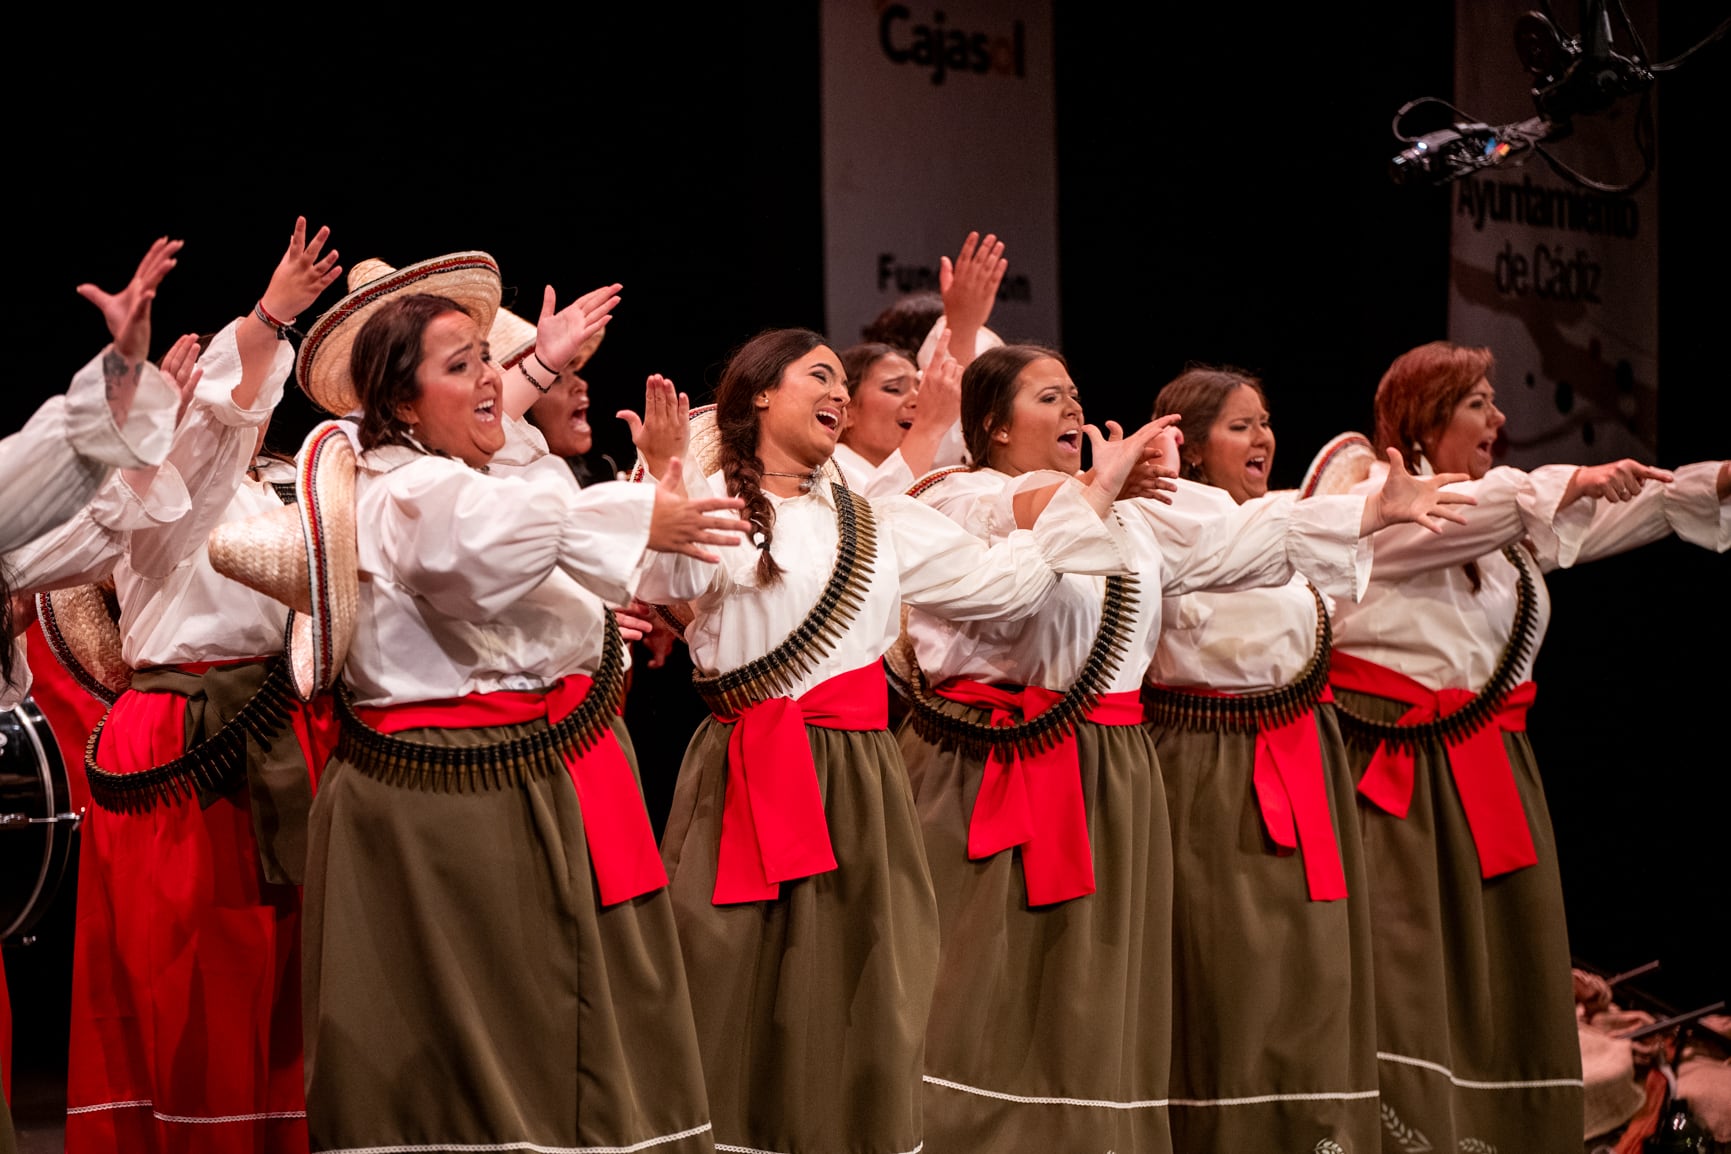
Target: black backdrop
[(1222, 197)]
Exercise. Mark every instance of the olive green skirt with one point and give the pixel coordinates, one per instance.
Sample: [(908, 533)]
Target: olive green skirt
[(1273, 1003), (811, 1009), (465, 988), (1476, 1040), (1051, 1028)]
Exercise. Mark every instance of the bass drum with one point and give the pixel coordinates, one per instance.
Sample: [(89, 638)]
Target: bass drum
[(36, 830)]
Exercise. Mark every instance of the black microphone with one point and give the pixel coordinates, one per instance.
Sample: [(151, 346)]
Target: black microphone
[(1462, 149)]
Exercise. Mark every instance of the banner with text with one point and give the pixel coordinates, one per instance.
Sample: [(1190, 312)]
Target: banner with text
[(937, 120), (1560, 281)]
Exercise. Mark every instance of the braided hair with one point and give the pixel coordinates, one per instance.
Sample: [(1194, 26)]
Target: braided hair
[(755, 367)]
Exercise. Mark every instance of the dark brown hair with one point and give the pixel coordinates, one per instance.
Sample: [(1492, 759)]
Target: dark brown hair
[(857, 361), (383, 360), (756, 366), (1197, 395), (1417, 396), (989, 392), (906, 323)]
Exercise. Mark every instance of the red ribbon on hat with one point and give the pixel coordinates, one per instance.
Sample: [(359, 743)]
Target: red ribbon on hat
[(615, 823), (1034, 800), (1292, 795), (1478, 761), (773, 827)]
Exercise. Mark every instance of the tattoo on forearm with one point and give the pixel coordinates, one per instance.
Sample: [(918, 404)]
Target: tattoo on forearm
[(117, 374)]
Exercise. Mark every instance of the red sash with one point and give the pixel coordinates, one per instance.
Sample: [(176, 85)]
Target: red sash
[(1292, 794), (1480, 765), (773, 827), (615, 824), (1034, 800)]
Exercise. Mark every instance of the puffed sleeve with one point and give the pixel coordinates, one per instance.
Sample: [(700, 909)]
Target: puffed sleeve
[(89, 544), (213, 447), (50, 468), (951, 573), (1512, 505), (470, 544), (1688, 506), (1209, 541), (669, 577)]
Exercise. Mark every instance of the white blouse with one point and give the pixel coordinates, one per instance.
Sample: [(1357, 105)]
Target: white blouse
[(1420, 615), (1203, 540), (50, 468), (472, 582), (892, 474), (174, 607), (922, 558)]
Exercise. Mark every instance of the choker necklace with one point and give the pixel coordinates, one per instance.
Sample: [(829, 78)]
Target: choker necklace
[(807, 481)]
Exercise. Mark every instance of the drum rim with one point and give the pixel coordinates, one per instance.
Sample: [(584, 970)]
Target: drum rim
[(30, 718)]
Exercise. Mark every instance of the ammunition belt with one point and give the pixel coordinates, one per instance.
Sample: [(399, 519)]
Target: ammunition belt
[(1105, 657), (400, 761), (777, 672), (1173, 708), (215, 766), (1478, 712)]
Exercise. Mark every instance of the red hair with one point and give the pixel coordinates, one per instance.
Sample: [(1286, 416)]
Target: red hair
[(1419, 392)]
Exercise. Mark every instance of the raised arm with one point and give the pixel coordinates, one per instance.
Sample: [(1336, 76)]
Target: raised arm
[(969, 285), (559, 335)]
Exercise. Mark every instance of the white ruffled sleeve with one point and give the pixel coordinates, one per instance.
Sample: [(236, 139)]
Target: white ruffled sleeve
[(1688, 506), (1512, 505), (50, 468), (951, 573), (1209, 541)]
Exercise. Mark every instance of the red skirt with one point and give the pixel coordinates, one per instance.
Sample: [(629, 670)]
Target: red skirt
[(186, 964)]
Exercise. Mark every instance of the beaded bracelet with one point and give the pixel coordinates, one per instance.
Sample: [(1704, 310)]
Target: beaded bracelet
[(263, 314), (523, 367)]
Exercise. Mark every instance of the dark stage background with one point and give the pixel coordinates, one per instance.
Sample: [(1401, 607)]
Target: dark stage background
[(1222, 197)]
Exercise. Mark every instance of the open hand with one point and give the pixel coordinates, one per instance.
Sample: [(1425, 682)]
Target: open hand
[(969, 286), (681, 524), (1421, 500), (127, 312), (664, 430), (1117, 459), (180, 365), (301, 275), (561, 334)]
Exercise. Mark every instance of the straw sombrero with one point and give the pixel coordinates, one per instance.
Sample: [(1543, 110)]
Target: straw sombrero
[(306, 557), (1342, 463), (84, 636), (512, 338), (469, 278)]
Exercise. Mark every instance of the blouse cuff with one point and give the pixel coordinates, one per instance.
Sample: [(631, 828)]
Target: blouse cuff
[(1073, 538), (1557, 535), (222, 375), (117, 508), (149, 429), (1693, 508), (1323, 543)]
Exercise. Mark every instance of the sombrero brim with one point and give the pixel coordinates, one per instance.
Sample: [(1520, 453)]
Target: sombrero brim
[(306, 557), (84, 637), (322, 367), (1342, 463)]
